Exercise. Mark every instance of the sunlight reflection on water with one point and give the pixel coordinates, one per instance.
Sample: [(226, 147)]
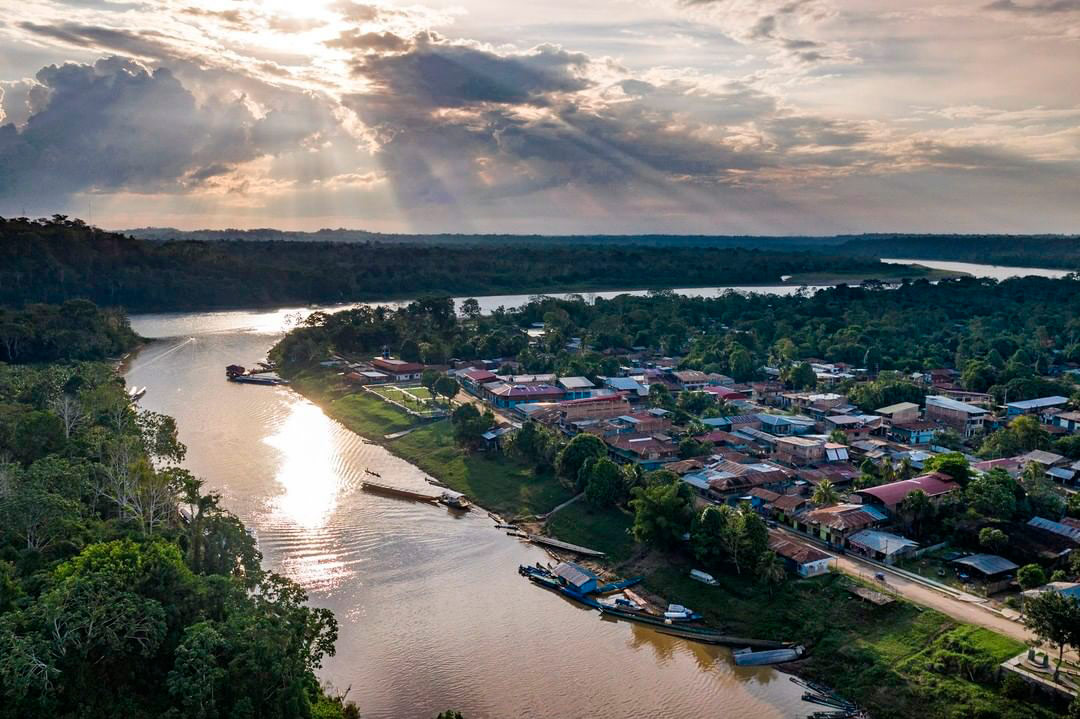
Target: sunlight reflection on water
[(307, 471)]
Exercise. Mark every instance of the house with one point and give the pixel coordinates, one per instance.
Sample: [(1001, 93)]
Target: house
[(853, 427), (935, 485), (788, 505), (1067, 589), (725, 394), (800, 558), (577, 577), (1068, 421), (367, 377), (799, 451), (508, 396), (592, 408), (1042, 458), (835, 524), (766, 392), (1034, 406), (783, 424), (914, 432), (649, 422), (399, 370), (882, 546), (966, 419), (474, 379), (649, 451), (1012, 465), (576, 387), (716, 379), (899, 412), (628, 387), (493, 438), (690, 379), (1061, 529), (995, 571)]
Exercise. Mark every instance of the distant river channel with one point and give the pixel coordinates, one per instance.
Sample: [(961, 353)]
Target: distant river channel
[(432, 612)]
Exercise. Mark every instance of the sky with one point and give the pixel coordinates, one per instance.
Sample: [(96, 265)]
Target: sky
[(609, 116)]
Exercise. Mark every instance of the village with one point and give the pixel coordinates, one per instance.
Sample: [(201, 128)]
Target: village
[(917, 488)]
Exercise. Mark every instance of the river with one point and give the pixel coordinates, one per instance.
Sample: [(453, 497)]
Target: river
[(431, 610)]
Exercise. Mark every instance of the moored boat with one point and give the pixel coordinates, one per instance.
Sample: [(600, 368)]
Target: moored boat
[(397, 492)]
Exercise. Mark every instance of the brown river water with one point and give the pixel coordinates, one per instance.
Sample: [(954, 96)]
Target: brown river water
[(432, 612)]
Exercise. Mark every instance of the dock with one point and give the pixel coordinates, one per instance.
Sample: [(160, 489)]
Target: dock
[(557, 544)]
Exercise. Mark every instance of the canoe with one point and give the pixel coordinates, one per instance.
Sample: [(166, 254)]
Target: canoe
[(397, 492), (750, 658)]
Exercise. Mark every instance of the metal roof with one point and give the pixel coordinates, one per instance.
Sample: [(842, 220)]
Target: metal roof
[(1038, 403), (988, 564), (1056, 527), (575, 574), (953, 404), (884, 542)]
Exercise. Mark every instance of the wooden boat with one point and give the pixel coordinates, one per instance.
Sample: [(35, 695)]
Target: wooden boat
[(640, 615), (373, 474), (454, 500), (397, 492), (750, 658)]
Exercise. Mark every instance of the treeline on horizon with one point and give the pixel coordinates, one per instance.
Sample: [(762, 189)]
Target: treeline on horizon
[(50, 261)]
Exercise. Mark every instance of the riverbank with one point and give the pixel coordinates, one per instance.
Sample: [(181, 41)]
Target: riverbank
[(498, 484), (886, 274), (897, 660)]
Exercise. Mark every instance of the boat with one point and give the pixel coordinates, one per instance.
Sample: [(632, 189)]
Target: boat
[(373, 474), (703, 577), (455, 500), (749, 658), (619, 585), (136, 393), (397, 492), (257, 379), (640, 615)]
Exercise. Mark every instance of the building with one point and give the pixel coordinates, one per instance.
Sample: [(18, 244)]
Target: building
[(399, 370), (367, 377), (627, 386), (1067, 589), (882, 546), (650, 451), (1061, 529), (995, 571), (1042, 458), (474, 379), (836, 523), (899, 412), (802, 559), (508, 396), (788, 505), (576, 387), (690, 380), (854, 427), (1068, 421), (799, 451), (1034, 406), (935, 485), (577, 577), (914, 432), (725, 394), (785, 425), (602, 407), (966, 419)]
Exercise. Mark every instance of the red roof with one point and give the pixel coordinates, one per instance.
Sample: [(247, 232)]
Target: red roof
[(724, 392), (480, 375), (892, 494), (394, 366)]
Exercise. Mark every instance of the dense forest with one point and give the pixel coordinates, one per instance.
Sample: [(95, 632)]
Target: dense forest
[(54, 260), (125, 588), (1057, 251), (999, 335)]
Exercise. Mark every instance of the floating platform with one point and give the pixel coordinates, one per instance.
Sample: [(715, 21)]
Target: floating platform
[(398, 492), (557, 544)]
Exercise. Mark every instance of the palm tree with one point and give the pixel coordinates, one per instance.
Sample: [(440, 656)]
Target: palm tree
[(915, 507), (825, 493), (771, 570)]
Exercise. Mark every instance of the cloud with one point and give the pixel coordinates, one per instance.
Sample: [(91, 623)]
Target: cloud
[(1039, 7), (117, 125)]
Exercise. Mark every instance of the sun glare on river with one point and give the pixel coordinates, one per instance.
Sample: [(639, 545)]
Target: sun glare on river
[(307, 471)]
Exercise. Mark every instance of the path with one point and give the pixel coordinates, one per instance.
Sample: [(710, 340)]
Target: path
[(969, 611)]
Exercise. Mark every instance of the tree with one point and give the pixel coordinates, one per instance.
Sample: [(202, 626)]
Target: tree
[(36, 515), (428, 378), (469, 425), (660, 396), (915, 508), (470, 308), (1072, 507), (993, 494), (825, 493), (662, 513), (992, 540), (196, 677), (602, 481), (1023, 434), (706, 532), (1039, 494), (410, 350), (954, 464), (447, 386), (574, 455), (741, 363), (802, 377), (1055, 619), (744, 537), (1030, 576), (770, 569), (838, 436)]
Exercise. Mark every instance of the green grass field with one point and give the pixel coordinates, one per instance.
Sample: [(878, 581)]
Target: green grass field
[(606, 530), (495, 482)]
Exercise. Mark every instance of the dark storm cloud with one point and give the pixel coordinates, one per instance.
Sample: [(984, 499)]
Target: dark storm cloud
[(369, 41), (1040, 7), (116, 125), (145, 44)]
